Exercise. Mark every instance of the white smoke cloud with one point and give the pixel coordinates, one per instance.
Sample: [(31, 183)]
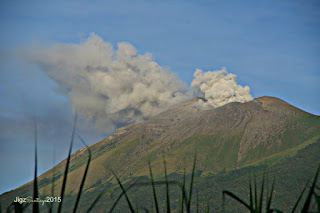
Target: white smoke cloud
[(107, 86), (218, 88), (113, 87)]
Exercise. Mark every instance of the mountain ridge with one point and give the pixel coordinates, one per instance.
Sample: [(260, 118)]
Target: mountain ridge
[(232, 136)]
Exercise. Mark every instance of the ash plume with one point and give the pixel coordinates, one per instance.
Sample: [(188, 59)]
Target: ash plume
[(115, 87), (218, 88), (107, 86)]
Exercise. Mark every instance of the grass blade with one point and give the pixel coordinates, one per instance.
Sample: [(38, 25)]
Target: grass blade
[(116, 202), (18, 208), (119, 197), (269, 199), (191, 183), (154, 189), (300, 196), (95, 202), (67, 165), (308, 200), (142, 184), (53, 173), (251, 194), (255, 194), (35, 205), (261, 194), (317, 198), (84, 175), (167, 187), (225, 192), (276, 210), (183, 191), (146, 210), (124, 191)]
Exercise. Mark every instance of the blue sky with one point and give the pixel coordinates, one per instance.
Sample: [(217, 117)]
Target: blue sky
[(272, 46)]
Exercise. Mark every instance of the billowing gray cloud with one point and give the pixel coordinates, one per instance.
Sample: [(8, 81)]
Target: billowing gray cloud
[(219, 88), (108, 86), (113, 87)]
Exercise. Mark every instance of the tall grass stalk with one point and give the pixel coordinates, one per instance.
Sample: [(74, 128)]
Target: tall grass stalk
[(167, 186), (153, 183), (124, 191), (94, 202), (259, 207), (299, 198), (269, 198), (67, 165), (153, 189), (35, 205), (52, 182), (183, 194), (84, 175), (191, 183), (307, 203), (255, 200)]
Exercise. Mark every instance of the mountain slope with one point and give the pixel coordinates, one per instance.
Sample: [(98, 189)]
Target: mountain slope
[(262, 131), (230, 136)]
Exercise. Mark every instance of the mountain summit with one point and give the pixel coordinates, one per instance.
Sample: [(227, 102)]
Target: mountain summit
[(229, 137)]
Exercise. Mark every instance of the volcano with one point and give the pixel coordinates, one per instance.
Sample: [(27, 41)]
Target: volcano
[(230, 142)]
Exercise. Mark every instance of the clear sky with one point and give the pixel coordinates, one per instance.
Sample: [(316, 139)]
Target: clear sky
[(272, 46)]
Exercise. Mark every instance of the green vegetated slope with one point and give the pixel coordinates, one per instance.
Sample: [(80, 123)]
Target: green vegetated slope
[(291, 175), (263, 133)]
